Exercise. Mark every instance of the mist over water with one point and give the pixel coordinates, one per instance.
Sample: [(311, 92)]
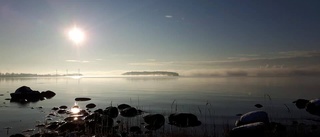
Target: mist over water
[(215, 100)]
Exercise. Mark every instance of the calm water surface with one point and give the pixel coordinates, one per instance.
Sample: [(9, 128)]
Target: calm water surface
[(214, 100)]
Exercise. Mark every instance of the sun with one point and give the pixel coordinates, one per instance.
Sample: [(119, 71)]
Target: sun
[(76, 35)]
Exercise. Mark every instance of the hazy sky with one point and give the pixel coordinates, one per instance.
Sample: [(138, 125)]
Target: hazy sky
[(187, 36)]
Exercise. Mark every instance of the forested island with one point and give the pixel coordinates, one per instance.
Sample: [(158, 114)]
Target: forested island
[(152, 73)]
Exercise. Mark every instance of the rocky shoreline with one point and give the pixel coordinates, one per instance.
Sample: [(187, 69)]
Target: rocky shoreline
[(116, 121)]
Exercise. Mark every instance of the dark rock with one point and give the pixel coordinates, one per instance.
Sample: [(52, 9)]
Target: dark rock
[(107, 122), (82, 99), (83, 112), (301, 103), (54, 108), (154, 121), (135, 129), (25, 94), (62, 111), (140, 112), (28, 130), (71, 126), (123, 106), (111, 112), (46, 134), (53, 125), (129, 112), (252, 117), (258, 105), (23, 90), (93, 117), (277, 127), (256, 129), (91, 105), (184, 120), (48, 94), (40, 125), (17, 135), (70, 119), (100, 111), (313, 107), (63, 107)]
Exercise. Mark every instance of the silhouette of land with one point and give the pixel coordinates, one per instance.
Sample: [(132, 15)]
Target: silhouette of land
[(36, 75)]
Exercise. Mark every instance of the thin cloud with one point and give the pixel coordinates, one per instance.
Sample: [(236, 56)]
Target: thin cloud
[(168, 16), (294, 54)]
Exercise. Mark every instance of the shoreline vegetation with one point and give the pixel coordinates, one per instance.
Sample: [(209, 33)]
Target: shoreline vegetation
[(10, 75)]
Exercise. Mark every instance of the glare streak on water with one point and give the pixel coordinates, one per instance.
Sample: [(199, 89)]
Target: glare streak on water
[(212, 99)]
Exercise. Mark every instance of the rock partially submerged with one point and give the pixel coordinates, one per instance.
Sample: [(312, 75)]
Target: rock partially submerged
[(301, 103), (111, 112), (25, 94), (82, 99), (252, 117), (313, 107), (129, 112), (154, 121), (184, 120), (91, 105), (255, 129)]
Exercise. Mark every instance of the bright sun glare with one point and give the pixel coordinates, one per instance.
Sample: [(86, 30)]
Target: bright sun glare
[(75, 109), (76, 35)]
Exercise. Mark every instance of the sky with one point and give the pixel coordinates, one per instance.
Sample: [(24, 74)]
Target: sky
[(191, 37)]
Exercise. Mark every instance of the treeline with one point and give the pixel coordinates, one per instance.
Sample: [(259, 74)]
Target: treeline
[(23, 75)]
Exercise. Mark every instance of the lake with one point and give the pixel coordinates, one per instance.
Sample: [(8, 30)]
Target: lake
[(215, 100)]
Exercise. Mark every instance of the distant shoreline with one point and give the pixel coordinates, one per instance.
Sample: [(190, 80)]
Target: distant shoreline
[(15, 75)]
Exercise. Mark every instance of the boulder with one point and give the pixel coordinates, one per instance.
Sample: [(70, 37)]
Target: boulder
[(25, 94), (23, 90), (256, 129), (252, 117), (17, 135), (123, 106), (48, 94), (91, 105), (71, 126), (82, 99), (99, 111), (135, 129), (53, 125), (301, 103), (111, 112), (154, 121), (313, 107), (184, 120), (63, 107), (129, 112), (107, 122)]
